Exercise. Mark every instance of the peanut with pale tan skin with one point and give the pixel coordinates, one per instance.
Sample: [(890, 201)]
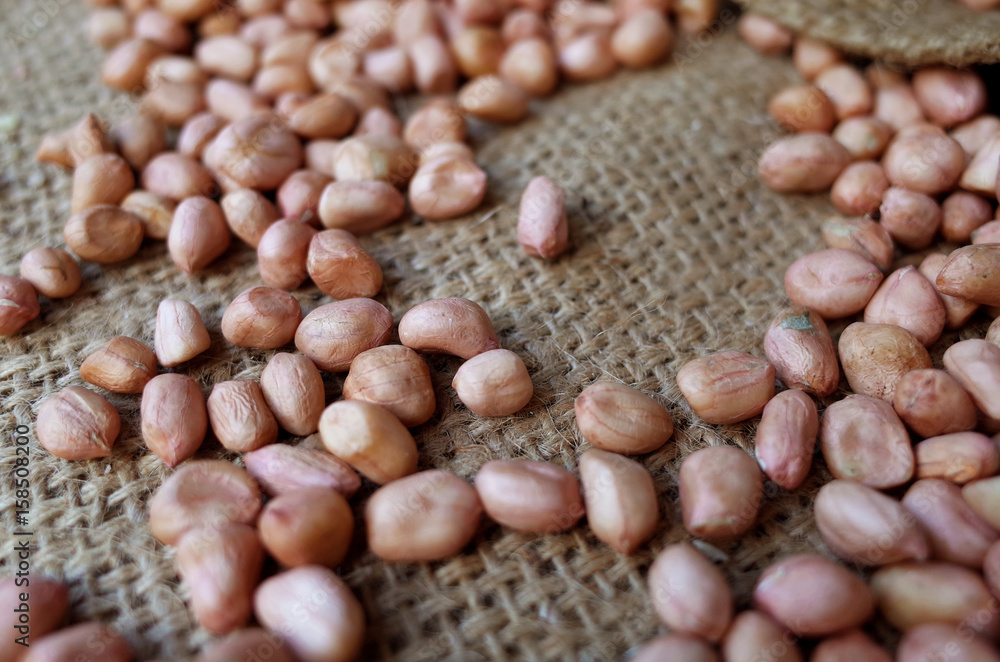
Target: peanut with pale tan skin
[(493, 99), (932, 403), (108, 27), (360, 207), (323, 116), (294, 392), (104, 234), (203, 494), (689, 594), (477, 50), (763, 35), (391, 68), (334, 334), (642, 39), (876, 356), (243, 643), (787, 592), (949, 96), (18, 304), (121, 365), (86, 642), (959, 457), (618, 418), (75, 144), (911, 218), (862, 439), (727, 387), (587, 57), (935, 641), (334, 633), (47, 603), (154, 211), (139, 139), (233, 102), (282, 254), (396, 378), (221, 567), (678, 648), (434, 70), (308, 526), (174, 69), (866, 527), (173, 104), (972, 273), (859, 188), (274, 81), (928, 163), (803, 108), (799, 346), (908, 300), (280, 468), (370, 439), (262, 318), (960, 596), (448, 326), (522, 23), (755, 635), (374, 158), (865, 138), (177, 176), (803, 163), (447, 187), (976, 365), (988, 233), (812, 57), (721, 489), (531, 65), (786, 438), (428, 516), (620, 499), (849, 646), (299, 195), (227, 56), (833, 283), (542, 228), (174, 417), (952, 527), (180, 333), (494, 383), (341, 267), (256, 152), (77, 424), (529, 495), (162, 29), (52, 272), (957, 311)]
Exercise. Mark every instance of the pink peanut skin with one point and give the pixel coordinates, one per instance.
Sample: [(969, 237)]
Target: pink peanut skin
[(542, 229)]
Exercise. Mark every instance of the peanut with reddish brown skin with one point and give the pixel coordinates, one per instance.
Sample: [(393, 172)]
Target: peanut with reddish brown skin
[(447, 187), (221, 567), (341, 267), (801, 350), (428, 516), (876, 356), (908, 300), (949, 96), (859, 188), (104, 234), (932, 403), (976, 365), (981, 172), (763, 35), (448, 326), (494, 383), (396, 378), (174, 417), (621, 419), (180, 333), (928, 163), (689, 594), (620, 499), (239, 416), (531, 65), (812, 57), (282, 254), (786, 438), (334, 633), (198, 234), (803, 163), (727, 387), (262, 318), (721, 489), (973, 273), (139, 139), (957, 311), (86, 642), (865, 138), (959, 457), (248, 214), (676, 648), (960, 596), (897, 106), (787, 592), (529, 495), (983, 497), (203, 494), (46, 602), (18, 304), (374, 158), (803, 108), (849, 646), (862, 439), (754, 636), (256, 152), (154, 211), (953, 529), (294, 392), (937, 641), (866, 527), (121, 365), (542, 229), (77, 424), (308, 526), (334, 334), (833, 283), (243, 643), (177, 176), (280, 468), (370, 439)]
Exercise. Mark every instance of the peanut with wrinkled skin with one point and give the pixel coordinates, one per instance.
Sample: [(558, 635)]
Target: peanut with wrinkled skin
[(294, 392), (959, 457), (308, 526), (239, 416), (957, 311), (256, 152), (529, 495), (174, 417), (620, 499), (866, 527), (155, 212), (862, 439), (448, 326), (180, 333), (104, 234), (428, 516), (494, 383), (618, 418), (799, 346), (282, 253), (976, 365), (972, 273), (77, 424), (334, 334), (280, 468), (52, 272), (86, 642), (360, 207), (953, 529), (803, 108), (876, 356), (396, 378), (721, 489), (341, 267), (248, 214), (786, 438), (833, 283), (542, 229), (446, 188), (727, 387), (198, 234), (262, 318), (754, 636), (121, 365), (932, 403), (908, 300), (689, 594), (803, 163), (370, 439)]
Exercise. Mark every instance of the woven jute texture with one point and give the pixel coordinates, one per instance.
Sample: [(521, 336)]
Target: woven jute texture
[(677, 251), (911, 33)]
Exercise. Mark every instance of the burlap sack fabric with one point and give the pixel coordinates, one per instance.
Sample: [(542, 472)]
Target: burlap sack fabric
[(677, 251)]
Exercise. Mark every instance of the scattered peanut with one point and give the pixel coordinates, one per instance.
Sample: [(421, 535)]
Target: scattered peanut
[(180, 333), (689, 594), (862, 439), (448, 326), (294, 392), (721, 489), (786, 438), (370, 439), (341, 267), (262, 318), (18, 304), (307, 526), (615, 417), (77, 424), (876, 356), (833, 283), (198, 234), (620, 499), (494, 383), (542, 229), (529, 495), (800, 348), (104, 234), (174, 417), (727, 387), (932, 403), (335, 333), (122, 365), (282, 254)]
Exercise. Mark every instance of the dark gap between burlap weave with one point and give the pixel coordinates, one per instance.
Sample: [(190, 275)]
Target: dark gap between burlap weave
[(677, 251)]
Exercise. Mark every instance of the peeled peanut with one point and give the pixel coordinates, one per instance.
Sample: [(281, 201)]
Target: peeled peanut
[(862, 439), (727, 387), (122, 365), (864, 236), (239, 416), (396, 378), (676, 648), (959, 457), (530, 64), (104, 234), (954, 530), (177, 176), (248, 214), (180, 333), (529, 495), (174, 417), (44, 602), (282, 254), (847, 89), (493, 99), (960, 597), (308, 526), (448, 326), (370, 439), (754, 636), (494, 383), (198, 234), (618, 418), (315, 612), (203, 494), (764, 35), (280, 468), (803, 163), (866, 527), (77, 424), (908, 300), (155, 212), (86, 642), (876, 356), (428, 516), (833, 283), (721, 489), (949, 96), (800, 348), (864, 137), (803, 108), (334, 334), (360, 207), (620, 499), (940, 641), (262, 318), (447, 187), (957, 311), (858, 190), (294, 392), (789, 591), (18, 304), (689, 594), (542, 229), (786, 438), (973, 273), (849, 646), (932, 403), (341, 267), (52, 272), (976, 365)]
